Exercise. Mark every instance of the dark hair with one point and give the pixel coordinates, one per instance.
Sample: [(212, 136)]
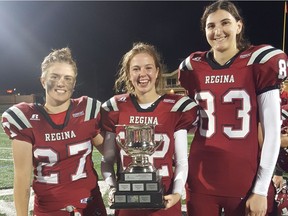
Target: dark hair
[(242, 42), (123, 83)]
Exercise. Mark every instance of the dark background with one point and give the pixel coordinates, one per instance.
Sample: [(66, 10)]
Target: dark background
[(100, 32)]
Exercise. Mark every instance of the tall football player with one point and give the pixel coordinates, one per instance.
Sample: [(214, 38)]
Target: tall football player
[(56, 141), (236, 85), (173, 115)]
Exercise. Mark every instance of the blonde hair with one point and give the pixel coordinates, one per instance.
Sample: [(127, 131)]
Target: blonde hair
[(122, 83), (58, 56)]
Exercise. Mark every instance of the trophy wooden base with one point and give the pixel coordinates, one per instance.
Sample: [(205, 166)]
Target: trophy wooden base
[(139, 191), (138, 200)]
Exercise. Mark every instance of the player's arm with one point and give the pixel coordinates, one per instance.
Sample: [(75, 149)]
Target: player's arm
[(108, 159), (269, 112), (181, 168), (107, 164), (98, 142), (278, 173), (22, 155)]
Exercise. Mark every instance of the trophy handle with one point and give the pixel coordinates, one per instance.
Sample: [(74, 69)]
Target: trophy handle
[(160, 141)]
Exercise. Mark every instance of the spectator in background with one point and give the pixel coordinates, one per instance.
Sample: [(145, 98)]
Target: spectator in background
[(282, 162), (283, 94)]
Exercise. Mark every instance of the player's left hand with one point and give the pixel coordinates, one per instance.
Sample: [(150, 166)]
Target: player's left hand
[(111, 193), (256, 205), (171, 200)]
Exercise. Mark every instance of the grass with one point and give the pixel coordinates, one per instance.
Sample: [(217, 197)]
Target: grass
[(6, 163)]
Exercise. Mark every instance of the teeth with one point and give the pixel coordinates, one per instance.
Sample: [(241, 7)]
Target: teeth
[(60, 91), (143, 81), (219, 39)]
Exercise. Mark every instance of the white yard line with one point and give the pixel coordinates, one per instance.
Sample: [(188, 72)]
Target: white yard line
[(6, 159), (6, 192)]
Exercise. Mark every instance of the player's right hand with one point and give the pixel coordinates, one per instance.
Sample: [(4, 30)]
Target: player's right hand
[(278, 181), (171, 200)]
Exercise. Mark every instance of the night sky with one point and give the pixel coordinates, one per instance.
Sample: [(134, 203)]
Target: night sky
[(100, 32)]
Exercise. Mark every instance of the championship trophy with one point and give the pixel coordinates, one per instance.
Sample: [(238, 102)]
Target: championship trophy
[(139, 185)]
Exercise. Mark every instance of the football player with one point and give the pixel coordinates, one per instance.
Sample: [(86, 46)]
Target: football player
[(56, 140), (236, 85), (283, 94), (282, 162), (173, 115)]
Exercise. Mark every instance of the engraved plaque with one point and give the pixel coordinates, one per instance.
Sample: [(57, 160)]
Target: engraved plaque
[(144, 198), (132, 198), (152, 187), (124, 187), (120, 198), (138, 177), (138, 187)]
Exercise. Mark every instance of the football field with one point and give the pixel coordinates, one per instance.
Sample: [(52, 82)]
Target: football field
[(6, 177)]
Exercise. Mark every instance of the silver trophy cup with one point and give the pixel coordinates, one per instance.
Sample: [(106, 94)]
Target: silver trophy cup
[(140, 185), (139, 144)]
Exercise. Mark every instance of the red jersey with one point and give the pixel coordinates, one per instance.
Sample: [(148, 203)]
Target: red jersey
[(282, 162), (284, 116), (284, 98), (223, 157), (169, 113), (64, 173)]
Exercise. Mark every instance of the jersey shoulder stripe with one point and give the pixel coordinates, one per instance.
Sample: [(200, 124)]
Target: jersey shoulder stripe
[(186, 64), (263, 55), (110, 105), (16, 117), (92, 108), (284, 114), (183, 104), (198, 56)]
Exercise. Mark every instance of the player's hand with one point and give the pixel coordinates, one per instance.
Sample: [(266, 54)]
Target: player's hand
[(111, 193), (256, 205), (284, 140), (171, 200), (278, 181), (284, 130)]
